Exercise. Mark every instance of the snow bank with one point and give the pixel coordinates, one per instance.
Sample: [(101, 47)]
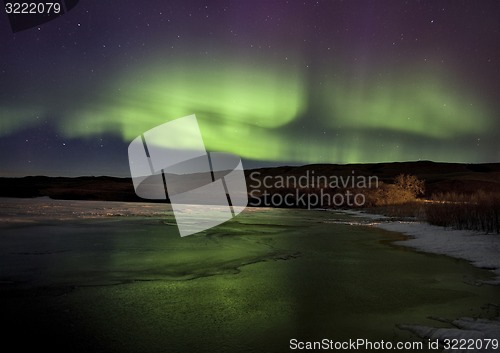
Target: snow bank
[(482, 250), (479, 331)]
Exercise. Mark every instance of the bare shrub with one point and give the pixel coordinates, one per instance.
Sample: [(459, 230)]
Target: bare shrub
[(410, 183), (404, 190)]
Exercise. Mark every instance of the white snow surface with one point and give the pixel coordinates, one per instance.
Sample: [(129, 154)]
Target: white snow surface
[(482, 250), (483, 332)]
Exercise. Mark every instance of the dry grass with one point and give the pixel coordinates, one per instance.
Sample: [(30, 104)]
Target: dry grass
[(479, 211), (412, 209)]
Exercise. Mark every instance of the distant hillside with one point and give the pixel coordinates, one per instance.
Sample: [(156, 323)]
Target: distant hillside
[(439, 177), (80, 188)]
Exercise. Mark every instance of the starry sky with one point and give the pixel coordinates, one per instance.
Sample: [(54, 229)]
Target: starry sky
[(275, 82)]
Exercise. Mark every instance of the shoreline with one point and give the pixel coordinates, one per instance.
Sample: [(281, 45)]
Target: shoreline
[(479, 249)]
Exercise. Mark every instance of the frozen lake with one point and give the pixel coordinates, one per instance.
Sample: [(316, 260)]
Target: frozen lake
[(112, 276)]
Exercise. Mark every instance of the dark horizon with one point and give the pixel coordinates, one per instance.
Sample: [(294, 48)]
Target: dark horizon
[(257, 165), (439, 179)]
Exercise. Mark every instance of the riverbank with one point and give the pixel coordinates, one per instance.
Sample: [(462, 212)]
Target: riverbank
[(481, 250)]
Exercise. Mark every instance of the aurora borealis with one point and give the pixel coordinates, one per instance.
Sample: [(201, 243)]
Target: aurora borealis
[(275, 82)]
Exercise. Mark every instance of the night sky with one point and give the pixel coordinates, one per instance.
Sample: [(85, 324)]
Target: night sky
[(275, 82)]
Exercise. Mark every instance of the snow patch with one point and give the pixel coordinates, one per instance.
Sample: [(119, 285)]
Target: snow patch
[(480, 330), (482, 250)]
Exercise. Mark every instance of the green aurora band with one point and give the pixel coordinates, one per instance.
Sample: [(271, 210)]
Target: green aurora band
[(421, 104), (254, 110)]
